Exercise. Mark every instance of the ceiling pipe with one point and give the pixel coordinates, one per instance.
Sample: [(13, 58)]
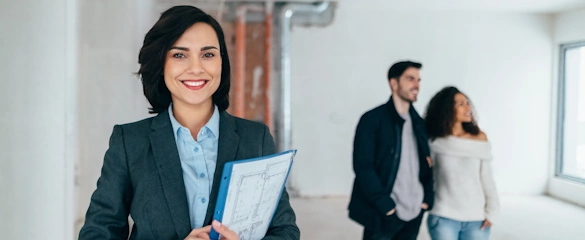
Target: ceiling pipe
[(268, 65), (286, 15), (240, 63)]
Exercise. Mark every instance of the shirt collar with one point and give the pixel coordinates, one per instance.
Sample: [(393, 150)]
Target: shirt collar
[(212, 125)]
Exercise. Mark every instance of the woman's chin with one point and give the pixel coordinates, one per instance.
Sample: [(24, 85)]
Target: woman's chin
[(464, 119)]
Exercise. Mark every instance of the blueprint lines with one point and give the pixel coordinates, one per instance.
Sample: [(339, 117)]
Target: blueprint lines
[(253, 194)]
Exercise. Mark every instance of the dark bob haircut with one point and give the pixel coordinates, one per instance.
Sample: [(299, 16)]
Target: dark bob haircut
[(440, 115), (399, 68), (158, 41)]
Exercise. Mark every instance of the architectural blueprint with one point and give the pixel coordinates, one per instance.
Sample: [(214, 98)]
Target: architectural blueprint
[(254, 190)]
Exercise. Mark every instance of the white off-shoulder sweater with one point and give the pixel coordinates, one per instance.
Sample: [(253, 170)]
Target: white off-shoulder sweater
[(464, 185)]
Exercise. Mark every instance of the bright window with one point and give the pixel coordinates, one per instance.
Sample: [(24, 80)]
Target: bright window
[(571, 115)]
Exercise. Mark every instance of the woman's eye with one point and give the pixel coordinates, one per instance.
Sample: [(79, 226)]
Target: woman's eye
[(179, 55), (208, 55)]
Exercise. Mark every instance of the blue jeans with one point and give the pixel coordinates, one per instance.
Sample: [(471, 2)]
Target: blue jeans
[(442, 228)]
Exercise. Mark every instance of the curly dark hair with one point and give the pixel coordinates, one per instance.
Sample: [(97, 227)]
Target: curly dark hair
[(440, 115), (158, 41)]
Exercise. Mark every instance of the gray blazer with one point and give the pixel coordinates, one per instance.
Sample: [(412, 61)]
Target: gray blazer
[(142, 177)]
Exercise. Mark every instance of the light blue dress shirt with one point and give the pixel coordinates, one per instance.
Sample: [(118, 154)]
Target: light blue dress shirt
[(198, 160)]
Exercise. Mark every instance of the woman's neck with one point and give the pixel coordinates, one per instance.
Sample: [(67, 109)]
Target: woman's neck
[(193, 117), (458, 130)]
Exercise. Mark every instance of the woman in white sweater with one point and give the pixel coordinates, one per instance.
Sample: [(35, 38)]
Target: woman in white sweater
[(466, 200)]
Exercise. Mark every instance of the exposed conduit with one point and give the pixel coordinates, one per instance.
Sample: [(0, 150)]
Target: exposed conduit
[(286, 14), (240, 63), (268, 65)]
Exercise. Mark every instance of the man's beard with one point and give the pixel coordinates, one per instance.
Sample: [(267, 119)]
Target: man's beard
[(404, 96)]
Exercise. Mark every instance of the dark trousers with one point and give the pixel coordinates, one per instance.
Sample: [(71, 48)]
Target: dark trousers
[(395, 229)]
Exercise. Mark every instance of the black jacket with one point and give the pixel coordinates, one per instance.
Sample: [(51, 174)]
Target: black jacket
[(142, 176), (376, 156)]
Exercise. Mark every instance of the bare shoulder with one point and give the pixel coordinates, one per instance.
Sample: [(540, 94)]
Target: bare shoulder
[(481, 136)]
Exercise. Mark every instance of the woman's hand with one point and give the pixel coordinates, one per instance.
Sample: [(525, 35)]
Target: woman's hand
[(199, 234), (203, 233), (486, 223), (226, 233)]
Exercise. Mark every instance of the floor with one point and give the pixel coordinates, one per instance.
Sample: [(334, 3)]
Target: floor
[(534, 218)]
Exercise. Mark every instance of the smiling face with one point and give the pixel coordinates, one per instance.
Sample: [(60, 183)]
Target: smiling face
[(408, 85), (462, 109), (192, 70)]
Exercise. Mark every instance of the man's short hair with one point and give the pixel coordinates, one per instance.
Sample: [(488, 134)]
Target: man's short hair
[(398, 69)]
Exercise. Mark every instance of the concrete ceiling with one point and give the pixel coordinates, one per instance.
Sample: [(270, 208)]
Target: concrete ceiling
[(527, 6), (524, 6)]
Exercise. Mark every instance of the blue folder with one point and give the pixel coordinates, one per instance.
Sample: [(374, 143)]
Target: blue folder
[(225, 182)]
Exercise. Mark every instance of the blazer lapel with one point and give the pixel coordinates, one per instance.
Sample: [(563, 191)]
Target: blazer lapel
[(168, 163), (226, 151)]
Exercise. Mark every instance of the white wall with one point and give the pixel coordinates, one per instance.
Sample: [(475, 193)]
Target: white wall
[(111, 34), (568, 28), (502, 61), (37, 135)]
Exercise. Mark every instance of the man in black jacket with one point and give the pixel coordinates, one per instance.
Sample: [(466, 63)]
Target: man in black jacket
[(393, 183)]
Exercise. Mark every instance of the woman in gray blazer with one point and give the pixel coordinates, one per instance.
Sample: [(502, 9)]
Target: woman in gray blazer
[(164, 171)]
